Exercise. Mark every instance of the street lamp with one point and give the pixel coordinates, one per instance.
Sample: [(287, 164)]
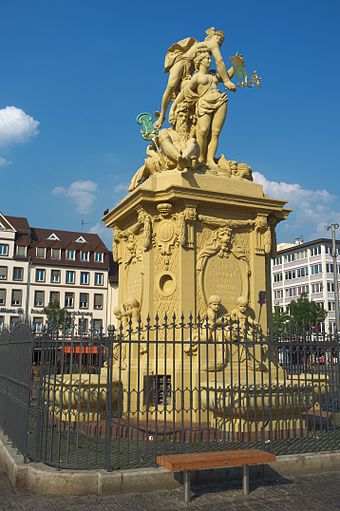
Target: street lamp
[(333, 228)]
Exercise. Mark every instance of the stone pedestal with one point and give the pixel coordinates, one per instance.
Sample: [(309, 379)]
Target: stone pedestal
[(182, 237)]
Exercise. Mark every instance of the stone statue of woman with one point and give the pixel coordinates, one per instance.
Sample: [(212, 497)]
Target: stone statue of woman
[(210, 105)]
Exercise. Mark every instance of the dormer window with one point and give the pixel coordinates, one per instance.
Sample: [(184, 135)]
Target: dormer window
[(53, 237), (21, 251), (81, 239), (99, 257), (84, 256), (55, 253), (41, 252), (70, 254)]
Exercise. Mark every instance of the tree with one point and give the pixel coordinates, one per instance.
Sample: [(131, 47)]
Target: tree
[(280, 322), (301, 315), (305, 314), (55, 315)]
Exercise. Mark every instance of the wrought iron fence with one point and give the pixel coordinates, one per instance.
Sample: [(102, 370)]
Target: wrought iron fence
[(117, 400), (15, 383)]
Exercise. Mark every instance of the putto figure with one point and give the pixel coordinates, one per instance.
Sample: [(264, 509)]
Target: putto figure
[(179, 63)]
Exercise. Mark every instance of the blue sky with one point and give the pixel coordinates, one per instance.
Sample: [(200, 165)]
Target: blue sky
[(77, 72)]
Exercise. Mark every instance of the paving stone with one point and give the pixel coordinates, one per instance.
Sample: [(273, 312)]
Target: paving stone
[(313, 492)]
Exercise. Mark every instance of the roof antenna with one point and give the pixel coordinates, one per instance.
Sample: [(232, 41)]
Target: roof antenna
[(82, 223)]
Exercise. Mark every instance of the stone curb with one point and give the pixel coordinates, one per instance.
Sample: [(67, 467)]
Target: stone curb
[(41, 478)]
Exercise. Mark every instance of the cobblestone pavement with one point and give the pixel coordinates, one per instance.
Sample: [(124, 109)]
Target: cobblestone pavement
[(314, 493)]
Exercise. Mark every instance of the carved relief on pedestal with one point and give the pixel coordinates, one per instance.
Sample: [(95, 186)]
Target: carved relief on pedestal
[(129, 244), (134, 280), (168, 231), (223, 261), (166, 291), (265, 235)]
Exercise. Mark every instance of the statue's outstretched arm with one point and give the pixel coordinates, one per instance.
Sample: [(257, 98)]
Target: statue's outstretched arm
[(222, 71)]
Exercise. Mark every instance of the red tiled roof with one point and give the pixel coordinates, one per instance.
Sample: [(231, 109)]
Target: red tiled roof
[(19, 223), (34, 238)]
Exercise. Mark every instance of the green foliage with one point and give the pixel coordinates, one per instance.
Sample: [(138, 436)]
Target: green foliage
[(280, 322), (55, 315), (301, 315)]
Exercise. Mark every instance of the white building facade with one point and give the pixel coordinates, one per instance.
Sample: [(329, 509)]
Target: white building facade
[(306, 268), (41, 266)]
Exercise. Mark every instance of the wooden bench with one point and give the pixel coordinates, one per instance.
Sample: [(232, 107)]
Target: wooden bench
[(219, 459)]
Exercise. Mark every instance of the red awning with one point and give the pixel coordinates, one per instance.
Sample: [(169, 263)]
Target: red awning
[(81, 349)]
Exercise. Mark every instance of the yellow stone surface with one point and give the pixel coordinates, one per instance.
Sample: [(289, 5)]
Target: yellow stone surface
[(183, 236)]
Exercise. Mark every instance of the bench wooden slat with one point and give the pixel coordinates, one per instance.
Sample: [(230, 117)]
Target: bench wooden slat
[(216, 459)]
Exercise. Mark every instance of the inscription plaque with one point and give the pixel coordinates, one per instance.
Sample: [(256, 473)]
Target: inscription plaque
[(134, 281), (225, 278)]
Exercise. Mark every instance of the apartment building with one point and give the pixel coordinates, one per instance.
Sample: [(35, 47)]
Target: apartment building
[(40, 266), (305, 268)]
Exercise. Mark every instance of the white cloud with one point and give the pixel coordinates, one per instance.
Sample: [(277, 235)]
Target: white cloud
[(121, 187), (16, 127), (4, 162), (312, 209), (82, 193), (103, 232)]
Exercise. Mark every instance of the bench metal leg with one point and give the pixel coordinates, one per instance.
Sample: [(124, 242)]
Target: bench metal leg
[(245, 479), (187, 492)]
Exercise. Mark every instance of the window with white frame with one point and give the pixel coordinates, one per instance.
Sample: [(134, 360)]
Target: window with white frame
[(70, 255), (21, 251), (99, 257), (291, 291), (290, 274), (317, 287), (3, 272), (41, 252), (2, 297), (55, 253), (84, 255), (3, 249), (278, 294), (18, 273), (84, 278), (331, 306), (278, 260), (302, 290), (316, 268), (55, 297), (330, 287), (290, 257), (37, 325), (2, 323), (83, 301), (98, 301), (70, 277), (69, 300), (55, 276), (99, 279), (39, 298), (315, 250), (329, 250), (301, 254), (16, 297), (302, 272), (40, 275), (97, 325)]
